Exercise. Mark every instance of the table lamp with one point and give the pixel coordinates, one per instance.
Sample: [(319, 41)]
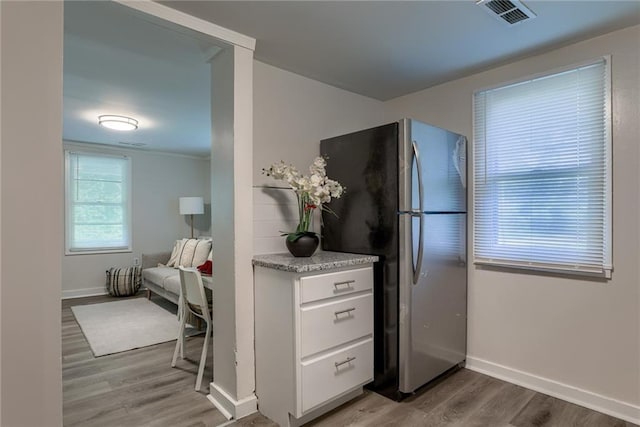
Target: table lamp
[(191, 206)]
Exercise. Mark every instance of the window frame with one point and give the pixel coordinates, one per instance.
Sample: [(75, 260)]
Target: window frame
[(67, 203), (605, 272)]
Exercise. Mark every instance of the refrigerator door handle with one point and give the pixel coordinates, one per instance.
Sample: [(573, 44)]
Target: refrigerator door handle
[(417, 270)]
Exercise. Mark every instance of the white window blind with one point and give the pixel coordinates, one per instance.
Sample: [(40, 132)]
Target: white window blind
[(542, 178), (98, 201)]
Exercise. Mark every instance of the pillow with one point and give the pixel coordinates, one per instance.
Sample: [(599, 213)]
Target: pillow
[(210, 256), (192, 252), (174, 253), (206, 268)]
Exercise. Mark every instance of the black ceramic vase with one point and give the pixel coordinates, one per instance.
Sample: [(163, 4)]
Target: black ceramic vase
[(304, 246)]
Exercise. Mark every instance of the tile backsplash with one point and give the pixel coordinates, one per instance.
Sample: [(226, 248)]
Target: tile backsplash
[(275, 210)]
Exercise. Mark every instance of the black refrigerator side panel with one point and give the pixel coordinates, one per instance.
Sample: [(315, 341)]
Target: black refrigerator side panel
[(366, 222)]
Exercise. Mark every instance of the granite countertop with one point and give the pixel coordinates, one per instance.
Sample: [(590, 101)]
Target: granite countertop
[(320, 261)]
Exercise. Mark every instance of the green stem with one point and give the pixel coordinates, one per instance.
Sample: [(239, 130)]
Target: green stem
[(300, 212), (304, 214)]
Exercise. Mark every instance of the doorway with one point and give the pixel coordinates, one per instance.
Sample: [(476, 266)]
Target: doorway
[(209, 47)]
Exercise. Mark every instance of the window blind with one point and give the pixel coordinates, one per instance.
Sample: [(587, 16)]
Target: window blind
[(97, 202), (542, 195)]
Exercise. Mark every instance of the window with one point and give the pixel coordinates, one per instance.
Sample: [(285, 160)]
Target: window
[(98, 203), (542, 173)]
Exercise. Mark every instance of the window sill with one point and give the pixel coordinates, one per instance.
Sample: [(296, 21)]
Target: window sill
[(98, 252), (546, 269)]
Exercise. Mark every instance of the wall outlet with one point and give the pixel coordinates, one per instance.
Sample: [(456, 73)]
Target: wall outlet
[(136, 261)]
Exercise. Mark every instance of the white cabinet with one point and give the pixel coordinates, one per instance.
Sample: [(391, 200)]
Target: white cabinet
[(314, 340)]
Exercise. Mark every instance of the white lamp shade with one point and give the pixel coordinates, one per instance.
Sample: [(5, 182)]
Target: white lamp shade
[(191, 205)]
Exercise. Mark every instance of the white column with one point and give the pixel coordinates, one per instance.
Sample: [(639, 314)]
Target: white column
[(232, 389)]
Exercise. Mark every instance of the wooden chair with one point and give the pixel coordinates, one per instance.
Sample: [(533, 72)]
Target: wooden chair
[(193, 299)]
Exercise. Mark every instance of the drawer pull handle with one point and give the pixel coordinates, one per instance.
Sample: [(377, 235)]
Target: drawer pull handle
[(347, 311), (347, 360), (346, 283)]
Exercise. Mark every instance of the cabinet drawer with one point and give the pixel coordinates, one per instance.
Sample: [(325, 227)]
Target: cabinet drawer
[(328, 325), (336, 373), (329, 285)]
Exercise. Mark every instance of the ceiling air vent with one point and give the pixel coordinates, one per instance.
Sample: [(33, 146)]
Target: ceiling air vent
[(509, 11)]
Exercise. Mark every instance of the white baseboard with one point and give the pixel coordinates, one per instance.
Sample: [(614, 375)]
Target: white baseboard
[(86, 292), (616, 408), (231, 408)]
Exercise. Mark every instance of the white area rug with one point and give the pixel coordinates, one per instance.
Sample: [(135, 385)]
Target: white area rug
[(112, 327)]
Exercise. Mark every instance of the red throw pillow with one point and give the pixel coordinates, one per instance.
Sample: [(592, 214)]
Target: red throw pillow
[(206, 268)]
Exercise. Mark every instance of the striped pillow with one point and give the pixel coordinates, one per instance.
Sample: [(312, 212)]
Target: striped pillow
[(193, 252), (122, 282), (177, 247)]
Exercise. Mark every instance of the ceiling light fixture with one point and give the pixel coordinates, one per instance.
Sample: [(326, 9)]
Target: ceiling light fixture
[(118, 122)]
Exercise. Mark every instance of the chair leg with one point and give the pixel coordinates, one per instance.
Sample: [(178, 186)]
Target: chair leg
[(149, 294), (179, 341), (182, 342), (203, 358), (182, 315)]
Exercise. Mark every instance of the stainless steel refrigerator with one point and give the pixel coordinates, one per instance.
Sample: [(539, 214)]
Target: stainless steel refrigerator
[(406, 203)]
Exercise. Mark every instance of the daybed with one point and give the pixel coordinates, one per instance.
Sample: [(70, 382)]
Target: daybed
[(160, 273)]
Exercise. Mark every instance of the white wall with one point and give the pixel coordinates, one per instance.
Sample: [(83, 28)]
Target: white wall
[(293, 113), (274, 210), (31, 106), (159, 179), (582, 334), (0, 225)]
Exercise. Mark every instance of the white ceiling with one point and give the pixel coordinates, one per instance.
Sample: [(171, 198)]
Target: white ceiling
[(117, 63), (385, 49)]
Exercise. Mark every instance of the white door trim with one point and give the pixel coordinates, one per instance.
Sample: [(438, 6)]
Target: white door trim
[(188, 21)]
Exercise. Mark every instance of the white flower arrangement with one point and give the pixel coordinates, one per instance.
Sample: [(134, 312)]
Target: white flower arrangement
[(312, 191)]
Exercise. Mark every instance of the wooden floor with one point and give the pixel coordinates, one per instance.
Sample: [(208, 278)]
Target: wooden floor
[(132, 388), (464, 399), (139, 388)]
